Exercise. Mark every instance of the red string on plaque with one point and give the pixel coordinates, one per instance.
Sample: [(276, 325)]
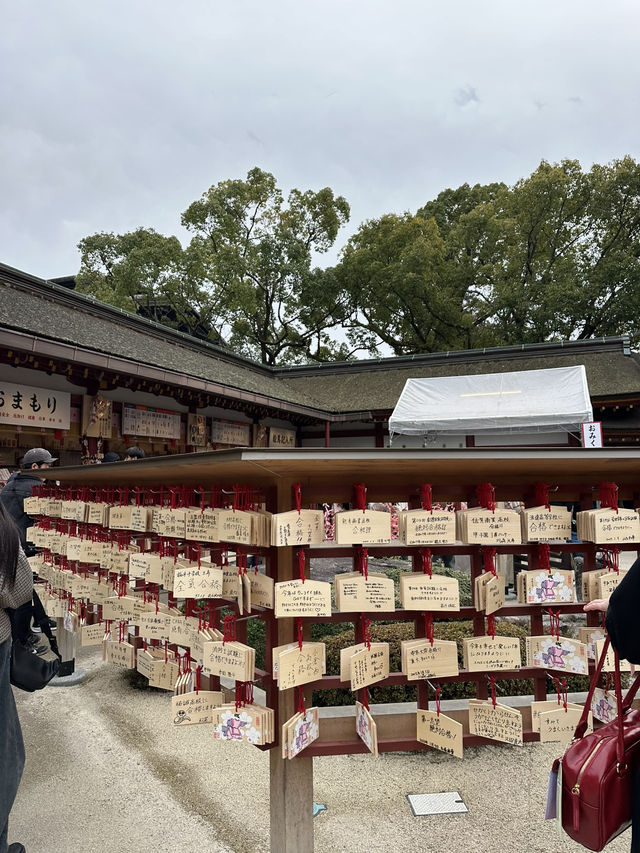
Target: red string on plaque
[(366, 630), (302, 565), (487, 496), (229, 628), (362, 560), (542, 495), (544, 556), (489, 557), (360, 491), (426, 497), (428, 626), (297, 496), (494, 698), (301, 706), (554, 623), (609, 496), (427, 561)]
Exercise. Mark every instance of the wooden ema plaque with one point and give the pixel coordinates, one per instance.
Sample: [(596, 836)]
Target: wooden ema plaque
[(604, 705), (119, 654), (362, 527), (356, 594), (499, 723), (367, 729), (544, 707), (538, 586), (540, 524), (439, 732), (590, 585), (606, 526), (297, 666), (299, 732), (484, 654), (562, 654), (195, 708), (202, 526), (369, 665), (608, 582), (235, 526), (609, 661), (251, 724), (262, 590), (92, 635), (302, 598), (229, 660), (559, 725), (422, 527), (484, 527), (420, 659), (74, 511), (198, 581), (421, 592), (297, 528), (489, 592)]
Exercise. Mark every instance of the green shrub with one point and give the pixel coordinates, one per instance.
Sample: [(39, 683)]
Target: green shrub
[(454, 630)]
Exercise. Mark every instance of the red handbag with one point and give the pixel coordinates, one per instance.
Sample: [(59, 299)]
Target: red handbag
[(597, 770)]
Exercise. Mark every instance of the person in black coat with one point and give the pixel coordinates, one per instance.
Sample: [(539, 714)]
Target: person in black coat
[(19, 486), (623, 615)]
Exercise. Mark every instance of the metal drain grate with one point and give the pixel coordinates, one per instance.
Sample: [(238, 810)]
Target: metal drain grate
[(449, 802)]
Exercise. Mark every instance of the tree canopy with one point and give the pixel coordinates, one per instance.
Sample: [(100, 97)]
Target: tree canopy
[(556, 256), (246, 274)]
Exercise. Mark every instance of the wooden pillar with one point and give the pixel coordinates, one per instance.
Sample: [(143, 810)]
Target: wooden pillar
[(291, 781), (327, 434)]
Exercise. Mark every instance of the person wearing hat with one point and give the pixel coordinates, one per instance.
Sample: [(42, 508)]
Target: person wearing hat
[(20, 485)]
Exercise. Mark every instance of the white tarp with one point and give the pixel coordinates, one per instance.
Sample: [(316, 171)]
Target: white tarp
[(534, 400)]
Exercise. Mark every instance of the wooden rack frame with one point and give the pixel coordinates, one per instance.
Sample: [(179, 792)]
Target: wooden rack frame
[(390, 475)]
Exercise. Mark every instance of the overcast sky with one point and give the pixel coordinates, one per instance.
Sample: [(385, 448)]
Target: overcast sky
[(119, 114)]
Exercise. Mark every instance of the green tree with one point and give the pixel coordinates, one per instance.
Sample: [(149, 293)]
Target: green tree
[(555, 257), (143, 271), (257, 253), (246, 275), (392, 275)]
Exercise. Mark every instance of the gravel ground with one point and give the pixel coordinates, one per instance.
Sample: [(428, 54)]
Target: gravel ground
[(106, 771)]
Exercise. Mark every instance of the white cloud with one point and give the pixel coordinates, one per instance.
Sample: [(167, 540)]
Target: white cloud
[(119, 114)]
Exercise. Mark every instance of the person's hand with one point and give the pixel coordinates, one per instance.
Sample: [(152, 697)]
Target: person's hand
[(597, 604)]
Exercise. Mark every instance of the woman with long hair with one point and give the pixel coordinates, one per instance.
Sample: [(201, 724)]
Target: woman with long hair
[(16, 588)]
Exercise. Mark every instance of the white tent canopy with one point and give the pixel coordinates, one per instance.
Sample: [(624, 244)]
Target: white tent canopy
[(533, 400)]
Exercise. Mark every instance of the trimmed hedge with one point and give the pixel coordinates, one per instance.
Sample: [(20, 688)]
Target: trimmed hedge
[(395, 633)]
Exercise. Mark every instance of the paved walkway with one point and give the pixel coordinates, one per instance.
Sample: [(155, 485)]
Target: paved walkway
[(106, 771)]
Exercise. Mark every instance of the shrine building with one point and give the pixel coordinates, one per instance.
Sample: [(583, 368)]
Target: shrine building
[(80, 377)]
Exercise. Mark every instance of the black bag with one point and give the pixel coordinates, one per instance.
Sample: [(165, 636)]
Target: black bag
[(35, 661)]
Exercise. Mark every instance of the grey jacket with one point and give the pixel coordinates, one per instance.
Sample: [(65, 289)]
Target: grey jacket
[(15, 594)]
